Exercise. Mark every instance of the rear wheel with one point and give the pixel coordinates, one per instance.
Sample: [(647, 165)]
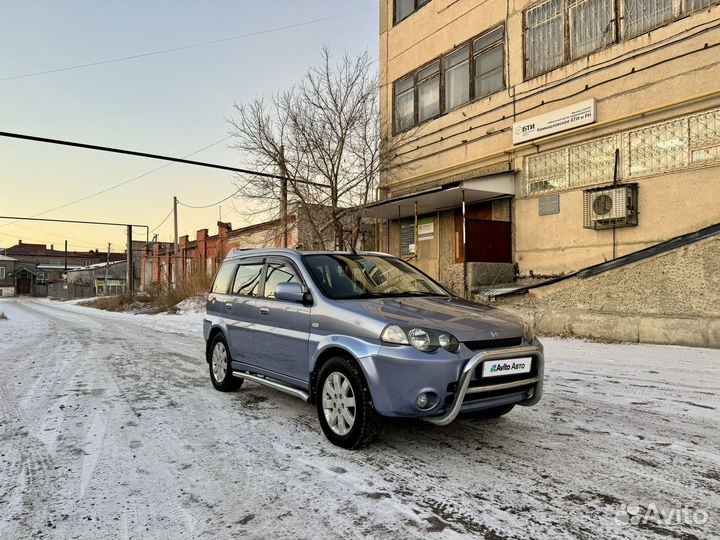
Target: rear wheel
[(219, 362), (344, 405)]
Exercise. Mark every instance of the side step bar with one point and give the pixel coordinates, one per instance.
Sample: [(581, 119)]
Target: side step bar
[(273, 384)]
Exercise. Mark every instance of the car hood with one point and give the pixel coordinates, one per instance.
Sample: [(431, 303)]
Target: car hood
[(467, 321)]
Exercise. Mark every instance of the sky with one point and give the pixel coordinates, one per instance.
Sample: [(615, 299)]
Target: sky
[(174, 103)]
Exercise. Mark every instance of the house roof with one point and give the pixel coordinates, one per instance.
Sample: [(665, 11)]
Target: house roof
[(6, 258), (41, 250)]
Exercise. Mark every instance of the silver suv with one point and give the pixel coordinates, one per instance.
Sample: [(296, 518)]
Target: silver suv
[(362, 336)]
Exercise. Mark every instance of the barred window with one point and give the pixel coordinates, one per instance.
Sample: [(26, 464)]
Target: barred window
[(591, 26), (547, 171), (643, 15), (689, 141), (696, 5), (657, 148), (704, 134), (544, 37)]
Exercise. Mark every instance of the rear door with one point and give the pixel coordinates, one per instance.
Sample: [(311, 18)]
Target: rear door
[(242, 310), (283, 328)]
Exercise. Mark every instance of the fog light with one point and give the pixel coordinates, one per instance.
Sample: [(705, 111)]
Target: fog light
[(422, 400)]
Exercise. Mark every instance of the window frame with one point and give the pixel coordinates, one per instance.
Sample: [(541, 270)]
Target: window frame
[(442, 109), (2, 272), (261, 283), (284, 260), (679, 10), (417, 5)]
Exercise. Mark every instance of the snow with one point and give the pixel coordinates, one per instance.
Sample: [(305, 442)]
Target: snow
[(109, 427)]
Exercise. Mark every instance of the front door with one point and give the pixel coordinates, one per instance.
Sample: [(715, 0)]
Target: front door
[(283, 328), (23, 284)]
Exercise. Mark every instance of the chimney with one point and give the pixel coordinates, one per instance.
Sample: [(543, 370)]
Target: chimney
[(52, 247), (19, 242)]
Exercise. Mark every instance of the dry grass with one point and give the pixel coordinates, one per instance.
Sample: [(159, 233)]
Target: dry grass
[(158, 298)]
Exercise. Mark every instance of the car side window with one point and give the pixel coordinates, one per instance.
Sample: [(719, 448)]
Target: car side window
[(247, 279), (279, 272), (224, 277)]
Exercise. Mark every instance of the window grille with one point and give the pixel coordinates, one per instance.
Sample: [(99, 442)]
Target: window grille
[(704, 134), (591, 26), (547, 171), (658, 148), (696, 5), (643, 15), (593, 162), (544, 47)]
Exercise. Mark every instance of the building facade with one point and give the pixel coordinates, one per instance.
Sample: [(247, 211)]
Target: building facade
[(541, 137)]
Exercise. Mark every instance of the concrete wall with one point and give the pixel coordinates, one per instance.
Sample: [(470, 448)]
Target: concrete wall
[(668, 64)]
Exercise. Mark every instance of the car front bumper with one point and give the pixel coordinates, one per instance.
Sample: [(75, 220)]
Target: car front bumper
[(397, 375)]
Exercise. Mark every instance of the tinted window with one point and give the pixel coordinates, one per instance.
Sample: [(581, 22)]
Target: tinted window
[(224, 277), (279, 272), (247, 279)]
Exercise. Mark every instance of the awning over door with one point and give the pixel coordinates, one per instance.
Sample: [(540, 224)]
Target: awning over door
[(445, 197)]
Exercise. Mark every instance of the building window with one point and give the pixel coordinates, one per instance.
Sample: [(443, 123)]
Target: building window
[(682, 143), (544, 49), (640, 16), (557, 31), (473, 70), (489, 62), (456, 68), (40, 276), (428, 92), (2, 272), (592, 26), (405, 8)]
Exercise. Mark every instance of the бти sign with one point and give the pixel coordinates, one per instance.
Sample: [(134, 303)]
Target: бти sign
[(576, 115)]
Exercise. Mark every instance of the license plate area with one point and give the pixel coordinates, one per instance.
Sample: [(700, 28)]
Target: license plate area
[(512, 367)]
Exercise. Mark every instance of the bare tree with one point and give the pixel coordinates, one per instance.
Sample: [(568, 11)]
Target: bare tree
[(325, 130)]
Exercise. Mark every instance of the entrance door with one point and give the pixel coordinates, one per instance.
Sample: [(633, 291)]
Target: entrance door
[(23, 285)]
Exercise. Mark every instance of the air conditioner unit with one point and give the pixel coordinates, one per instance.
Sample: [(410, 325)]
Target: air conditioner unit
[(610, 207)]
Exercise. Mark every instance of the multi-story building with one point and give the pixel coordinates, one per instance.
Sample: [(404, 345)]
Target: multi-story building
[(541, 137)]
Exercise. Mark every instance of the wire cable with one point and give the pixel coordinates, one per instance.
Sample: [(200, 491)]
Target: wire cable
[(185, 47), (161, 223)]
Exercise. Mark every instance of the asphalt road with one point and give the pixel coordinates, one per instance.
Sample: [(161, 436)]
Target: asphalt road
[(110, 429)]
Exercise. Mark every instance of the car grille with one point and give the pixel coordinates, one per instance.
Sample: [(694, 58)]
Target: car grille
[(492, 343)]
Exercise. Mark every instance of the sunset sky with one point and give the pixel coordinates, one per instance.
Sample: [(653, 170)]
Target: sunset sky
[(173, 103)]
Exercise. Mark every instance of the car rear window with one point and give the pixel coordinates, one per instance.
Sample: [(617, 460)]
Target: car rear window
[(224, 277)]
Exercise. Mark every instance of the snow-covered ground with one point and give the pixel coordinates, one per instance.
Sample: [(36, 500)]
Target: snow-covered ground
[(109, 428)]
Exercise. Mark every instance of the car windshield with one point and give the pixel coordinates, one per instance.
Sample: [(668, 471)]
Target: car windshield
[(369, 276)]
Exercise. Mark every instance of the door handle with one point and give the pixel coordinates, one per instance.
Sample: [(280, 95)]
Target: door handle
[(264, 310), (228, 305)]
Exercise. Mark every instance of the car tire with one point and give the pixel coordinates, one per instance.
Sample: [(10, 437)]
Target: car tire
[(345, 408), (493, 412), (220, 364)]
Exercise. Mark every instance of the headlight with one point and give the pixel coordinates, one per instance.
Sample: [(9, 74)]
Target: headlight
[(420, 339), (394, 334)]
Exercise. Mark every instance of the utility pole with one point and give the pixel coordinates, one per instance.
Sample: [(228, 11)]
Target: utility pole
[(65, 259), (283, 195), (107, 266), (130, 275), (175, 260)]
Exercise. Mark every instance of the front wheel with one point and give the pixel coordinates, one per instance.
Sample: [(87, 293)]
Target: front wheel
[(220, 366), (344, 405)]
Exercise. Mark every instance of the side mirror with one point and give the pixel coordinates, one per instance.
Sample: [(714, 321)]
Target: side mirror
[(291, 292)]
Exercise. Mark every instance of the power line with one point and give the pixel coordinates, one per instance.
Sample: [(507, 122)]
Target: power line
[(123, 151), (213, 204), (163, 221), (184, 47), (124, 182)]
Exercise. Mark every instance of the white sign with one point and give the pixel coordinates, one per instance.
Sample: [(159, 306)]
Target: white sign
[(506, 367), (426, 229), (576, 115)]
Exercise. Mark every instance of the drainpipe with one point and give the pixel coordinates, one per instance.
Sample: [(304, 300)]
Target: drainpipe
[(464, 231)]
